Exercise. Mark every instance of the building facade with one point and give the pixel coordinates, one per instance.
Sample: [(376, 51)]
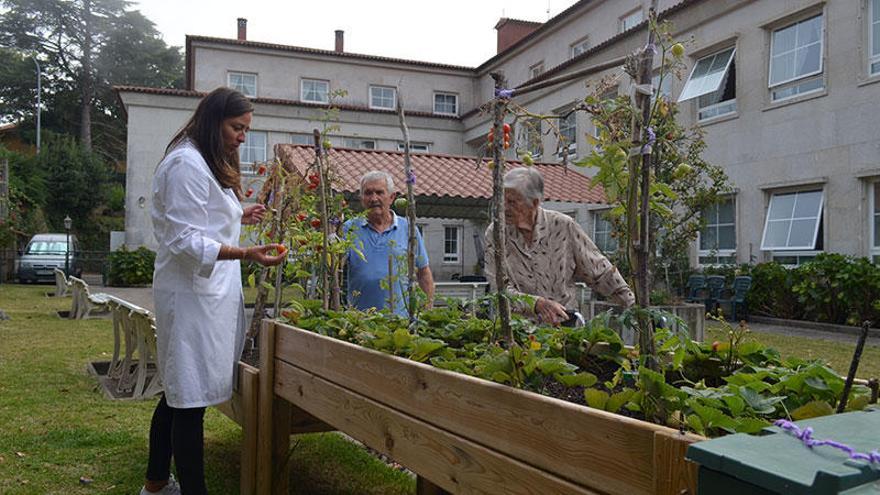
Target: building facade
[(785, 91)]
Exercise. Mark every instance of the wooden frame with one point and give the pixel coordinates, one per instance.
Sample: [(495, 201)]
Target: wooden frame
[(460, 433)]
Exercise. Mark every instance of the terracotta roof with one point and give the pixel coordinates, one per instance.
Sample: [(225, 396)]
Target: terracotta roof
[(275, 101), (440, 176)]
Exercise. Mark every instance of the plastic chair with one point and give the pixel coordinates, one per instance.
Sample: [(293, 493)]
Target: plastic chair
[(695, 284), (736, 296), (709, 295)]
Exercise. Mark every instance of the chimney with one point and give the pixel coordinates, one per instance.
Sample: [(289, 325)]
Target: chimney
[(512, 30), (242, 29), (340, 40)]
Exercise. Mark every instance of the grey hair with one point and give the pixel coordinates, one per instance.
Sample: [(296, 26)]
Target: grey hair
[(375, 175), (526, 181)]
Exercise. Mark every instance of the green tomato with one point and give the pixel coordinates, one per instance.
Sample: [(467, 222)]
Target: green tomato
[(682, 170), (400, 203), (327, 144), (677, 50), (621, 154), (528, 160)]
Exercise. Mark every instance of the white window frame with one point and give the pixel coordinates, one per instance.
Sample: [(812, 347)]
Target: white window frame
[(529, 134), (446, 94), (873, 216), (578, 47), (302, 90), (450, 257), (248, 145), (571, 146), (718, 253), (241, 88), (536, 70), (383, 88), (624, 19), (805, 78), (708, 86), (791, 220), (302, 138), (415, 147), (597, 216), (358, 143), (775, 255), (873, 58)]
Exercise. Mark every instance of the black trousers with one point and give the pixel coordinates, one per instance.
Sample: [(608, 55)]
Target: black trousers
[(179, 433)]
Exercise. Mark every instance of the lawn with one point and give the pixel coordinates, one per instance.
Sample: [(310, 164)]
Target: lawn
[(58, 427)]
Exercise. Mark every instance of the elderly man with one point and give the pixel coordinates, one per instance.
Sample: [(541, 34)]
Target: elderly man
[(381, 235), (547, 253)]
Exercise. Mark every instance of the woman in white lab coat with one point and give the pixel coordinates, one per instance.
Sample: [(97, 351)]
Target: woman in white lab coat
[(200, 320)]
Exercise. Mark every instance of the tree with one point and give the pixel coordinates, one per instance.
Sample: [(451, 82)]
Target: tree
[(85, 46)]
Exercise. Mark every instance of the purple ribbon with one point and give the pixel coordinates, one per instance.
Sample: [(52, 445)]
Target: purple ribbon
[(335, 221), (651, 47), (806, 436), (505, 94), (411, 177), (652, 138)]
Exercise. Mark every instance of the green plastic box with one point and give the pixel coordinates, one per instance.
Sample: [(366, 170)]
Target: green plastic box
[(775, 462)]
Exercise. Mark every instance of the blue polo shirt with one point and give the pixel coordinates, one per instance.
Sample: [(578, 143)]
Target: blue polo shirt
[(365, 276)]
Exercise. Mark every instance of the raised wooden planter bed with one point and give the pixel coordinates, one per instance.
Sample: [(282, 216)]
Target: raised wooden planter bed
[(463, 434)]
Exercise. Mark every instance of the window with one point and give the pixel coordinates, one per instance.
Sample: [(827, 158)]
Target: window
[(663, 88), (631, 20), (874, 220), (253, 150), (603, 231), (446, 103), (713, 83), (302, 139), (794, 221), (579, 47), (529, 137), (717, 239), (874, 36), (415, 147), (796, 59), (451, 244), (568, 133), (383, 97), (536, 70), (359, 144), (609, 94), (315, 91), (244, 83)]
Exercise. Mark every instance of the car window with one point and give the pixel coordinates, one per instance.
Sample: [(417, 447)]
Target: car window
[(47, 247)]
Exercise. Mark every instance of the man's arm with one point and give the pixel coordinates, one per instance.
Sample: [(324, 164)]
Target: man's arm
[(426, 283)]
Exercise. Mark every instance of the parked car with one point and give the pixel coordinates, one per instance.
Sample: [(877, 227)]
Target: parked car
[(46, 252)]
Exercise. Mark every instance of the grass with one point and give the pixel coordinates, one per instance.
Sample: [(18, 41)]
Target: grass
[(58, 427), (838, 355)]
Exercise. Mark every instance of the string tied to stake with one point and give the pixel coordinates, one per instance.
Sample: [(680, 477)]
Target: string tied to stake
[(805, 435), (504, 94)]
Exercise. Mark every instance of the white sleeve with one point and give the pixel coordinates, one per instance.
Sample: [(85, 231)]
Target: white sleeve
[(186, 191)]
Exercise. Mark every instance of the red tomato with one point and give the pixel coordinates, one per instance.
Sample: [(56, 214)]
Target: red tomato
[(301, 217), (506, 128), (249, 192), (316, 222)]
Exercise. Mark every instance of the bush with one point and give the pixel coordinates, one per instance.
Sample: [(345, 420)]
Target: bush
[(840, 289), (771, 292), (128, 268)]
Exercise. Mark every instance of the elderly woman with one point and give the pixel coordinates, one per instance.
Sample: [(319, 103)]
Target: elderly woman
[(547, 253)]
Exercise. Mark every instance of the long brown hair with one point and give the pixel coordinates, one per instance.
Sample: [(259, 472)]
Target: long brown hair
[(204, 129)]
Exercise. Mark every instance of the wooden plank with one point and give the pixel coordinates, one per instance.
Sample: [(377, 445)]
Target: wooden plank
[(250, 385), (589, 447), (673, 474), (266, 399), (449, 461), (425, 487), (303, 422)]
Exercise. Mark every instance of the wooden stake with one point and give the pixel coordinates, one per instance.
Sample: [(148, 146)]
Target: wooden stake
[(325, 227), (853, 367), (499, 228), (410, 214)]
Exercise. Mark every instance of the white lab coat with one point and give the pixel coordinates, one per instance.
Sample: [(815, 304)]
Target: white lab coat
[(200, 321)]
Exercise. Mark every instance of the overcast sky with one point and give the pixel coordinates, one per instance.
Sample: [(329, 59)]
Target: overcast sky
[(456, 32)]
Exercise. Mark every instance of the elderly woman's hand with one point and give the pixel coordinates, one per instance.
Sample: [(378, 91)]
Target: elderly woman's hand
[(263, 254), (253, 214), (550, 311)]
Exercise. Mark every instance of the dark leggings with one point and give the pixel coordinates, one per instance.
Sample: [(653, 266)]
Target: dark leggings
[(181, 432)]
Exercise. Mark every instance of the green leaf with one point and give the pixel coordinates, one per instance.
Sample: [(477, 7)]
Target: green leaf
[(812, 409), (423, 347), (596, 398), (580, 379), (858, 403), (266, 285), (759, 403), (696, 424), (500, 377), (252, 280), (750, 425), (552, 366), (616, 401), (402, 339), (735, 404)]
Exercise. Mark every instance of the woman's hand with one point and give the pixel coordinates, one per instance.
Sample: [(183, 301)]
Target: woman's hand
[(263, 254), (253, 214), (550, 311)]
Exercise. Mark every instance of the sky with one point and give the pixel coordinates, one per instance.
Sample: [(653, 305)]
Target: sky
[(458, 32)]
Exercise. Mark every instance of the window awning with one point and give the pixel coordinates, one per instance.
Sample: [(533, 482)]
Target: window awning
[(793, 220), (708, 74)]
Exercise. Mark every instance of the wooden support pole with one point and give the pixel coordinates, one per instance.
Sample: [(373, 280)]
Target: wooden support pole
[(853, 367), (325, 226), (499, 225), (410, 214)]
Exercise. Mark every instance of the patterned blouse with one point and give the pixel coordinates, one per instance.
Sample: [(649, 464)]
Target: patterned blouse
[(560, 255)]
